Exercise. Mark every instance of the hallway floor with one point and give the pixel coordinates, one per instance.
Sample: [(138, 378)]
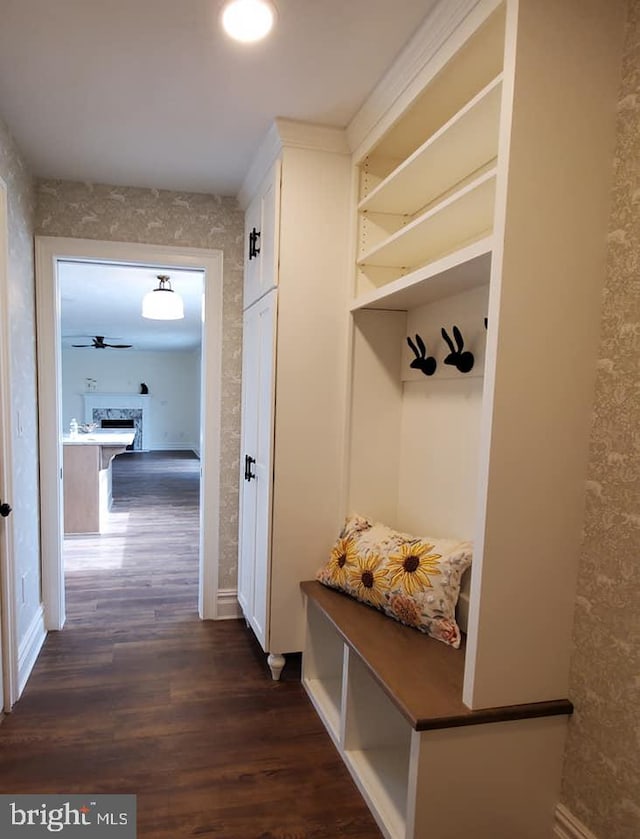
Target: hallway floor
[(136, 695)]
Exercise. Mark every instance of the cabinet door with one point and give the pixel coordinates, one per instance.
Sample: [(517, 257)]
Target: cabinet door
[(248, 447), (252, 250), (261, 239), (257, 463)]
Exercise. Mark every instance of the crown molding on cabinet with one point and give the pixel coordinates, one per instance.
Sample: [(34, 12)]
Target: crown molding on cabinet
[(288, 133), (304, 135), (418, 62)]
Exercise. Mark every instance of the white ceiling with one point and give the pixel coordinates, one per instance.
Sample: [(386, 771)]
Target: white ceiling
[(106, 300), (151, 92)]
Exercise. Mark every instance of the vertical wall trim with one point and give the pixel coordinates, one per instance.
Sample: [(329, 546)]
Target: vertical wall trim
[(8, 630)]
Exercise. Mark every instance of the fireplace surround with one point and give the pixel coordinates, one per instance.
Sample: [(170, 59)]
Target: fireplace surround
[(110, 407)]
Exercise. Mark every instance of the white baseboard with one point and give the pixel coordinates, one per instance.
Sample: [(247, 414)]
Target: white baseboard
[(30, 647), (567, 826), (172, 447), (228, 606)]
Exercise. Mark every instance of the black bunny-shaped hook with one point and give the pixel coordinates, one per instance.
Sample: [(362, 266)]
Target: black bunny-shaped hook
[(427, 364), (459, 358)]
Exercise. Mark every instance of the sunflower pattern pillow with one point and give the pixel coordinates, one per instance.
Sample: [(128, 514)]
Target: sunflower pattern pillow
[(415, 581)]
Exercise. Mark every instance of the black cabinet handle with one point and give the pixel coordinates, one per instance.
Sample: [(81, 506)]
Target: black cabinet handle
[(5, 509), (248, 462), (253, 241)]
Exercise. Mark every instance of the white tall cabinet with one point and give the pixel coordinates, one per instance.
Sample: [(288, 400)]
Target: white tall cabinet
[(258, 367), (296, 196)]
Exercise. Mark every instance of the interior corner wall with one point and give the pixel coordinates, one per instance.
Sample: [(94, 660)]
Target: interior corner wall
[(23, 383), (173, 379), (601, 779), (162, 217)]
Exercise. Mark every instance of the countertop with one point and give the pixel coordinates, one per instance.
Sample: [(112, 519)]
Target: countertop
[(100, 438)]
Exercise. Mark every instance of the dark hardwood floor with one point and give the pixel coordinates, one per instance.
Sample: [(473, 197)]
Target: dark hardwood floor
[(136, 695)]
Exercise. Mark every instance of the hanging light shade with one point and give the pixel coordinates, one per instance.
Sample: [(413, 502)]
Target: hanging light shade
[(163, 303)]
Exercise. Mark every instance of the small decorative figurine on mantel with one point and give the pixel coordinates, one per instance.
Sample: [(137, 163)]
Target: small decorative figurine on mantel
[(143, 388)]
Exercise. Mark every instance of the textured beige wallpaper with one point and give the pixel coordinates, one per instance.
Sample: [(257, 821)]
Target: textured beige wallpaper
[(22, 346), (160, 217), (601, 783)]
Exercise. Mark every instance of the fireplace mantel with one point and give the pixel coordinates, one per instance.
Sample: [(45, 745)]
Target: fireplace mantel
[(116, 403)]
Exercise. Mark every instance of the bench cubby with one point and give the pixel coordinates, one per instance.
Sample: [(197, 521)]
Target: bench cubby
[(391, 699)]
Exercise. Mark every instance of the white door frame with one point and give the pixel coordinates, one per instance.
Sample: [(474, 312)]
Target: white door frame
[(50, 250), (9, 654)]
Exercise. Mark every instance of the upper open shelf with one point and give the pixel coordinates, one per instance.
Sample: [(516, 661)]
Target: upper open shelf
[(472, 68), (463, 145), (467, 268), (462, 218)]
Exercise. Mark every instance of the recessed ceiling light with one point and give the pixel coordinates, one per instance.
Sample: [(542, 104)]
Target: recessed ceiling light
[(248, 20)]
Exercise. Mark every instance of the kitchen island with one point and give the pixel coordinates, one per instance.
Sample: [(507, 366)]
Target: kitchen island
[(87, 478)]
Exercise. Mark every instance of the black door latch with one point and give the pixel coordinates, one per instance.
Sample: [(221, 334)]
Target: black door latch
[(248, 463), (254, 250)]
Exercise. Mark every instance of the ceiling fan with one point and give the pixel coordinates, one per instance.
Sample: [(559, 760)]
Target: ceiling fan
[(97, 343)]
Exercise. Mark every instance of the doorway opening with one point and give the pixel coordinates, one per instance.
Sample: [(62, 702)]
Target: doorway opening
[(131, 472), (52, 255)]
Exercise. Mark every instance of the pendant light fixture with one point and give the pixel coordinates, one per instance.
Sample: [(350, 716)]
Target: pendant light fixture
[(248, 20), (163, 303)]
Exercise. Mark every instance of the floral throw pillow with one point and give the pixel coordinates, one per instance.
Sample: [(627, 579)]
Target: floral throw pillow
[(414, 580)]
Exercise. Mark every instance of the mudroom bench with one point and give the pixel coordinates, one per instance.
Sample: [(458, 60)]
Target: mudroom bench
[(428, 766)]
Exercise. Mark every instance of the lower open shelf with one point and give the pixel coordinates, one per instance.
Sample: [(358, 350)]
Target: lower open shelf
[(382, 777), (325, 695), (322, 670)]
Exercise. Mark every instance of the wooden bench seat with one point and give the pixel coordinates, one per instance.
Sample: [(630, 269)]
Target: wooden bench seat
[(421, 676)]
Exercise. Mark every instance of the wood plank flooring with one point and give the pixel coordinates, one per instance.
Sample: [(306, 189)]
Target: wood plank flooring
[(136, 695)]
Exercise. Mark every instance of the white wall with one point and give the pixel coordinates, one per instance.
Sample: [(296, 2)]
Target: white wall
[(173, 379)]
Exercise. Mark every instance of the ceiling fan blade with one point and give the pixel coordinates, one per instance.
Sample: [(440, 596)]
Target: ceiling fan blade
[(99, 344)]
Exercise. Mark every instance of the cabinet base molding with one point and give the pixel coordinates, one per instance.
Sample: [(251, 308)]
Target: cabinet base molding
[(228, 606), (30, 647), (567, 826)]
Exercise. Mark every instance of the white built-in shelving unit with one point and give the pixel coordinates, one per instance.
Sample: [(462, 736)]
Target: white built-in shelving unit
[(480, 200), (426, 189)]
